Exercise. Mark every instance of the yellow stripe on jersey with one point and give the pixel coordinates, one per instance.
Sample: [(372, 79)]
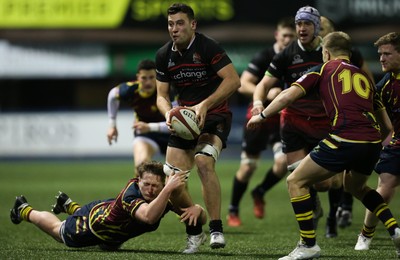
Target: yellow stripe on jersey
[(329, 144), (340, 139)]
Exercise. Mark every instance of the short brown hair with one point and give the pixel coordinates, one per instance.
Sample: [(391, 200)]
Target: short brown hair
[(152, 167), (392, 38), (338, 43), (181, 8), (146, 65)]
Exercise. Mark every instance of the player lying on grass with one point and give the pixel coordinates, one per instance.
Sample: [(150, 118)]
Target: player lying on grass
[(137, 209)]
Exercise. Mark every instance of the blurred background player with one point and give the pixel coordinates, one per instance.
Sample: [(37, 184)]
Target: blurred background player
[(256, 140), (202, 75), (137, 209), (388, 166), (149, 129)]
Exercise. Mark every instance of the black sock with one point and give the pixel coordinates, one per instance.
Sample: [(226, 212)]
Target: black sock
[(347, 201), (313, 195), (269, 181), (194, 230), (374, 202), (334, 200), (237, 193), (215, 226)]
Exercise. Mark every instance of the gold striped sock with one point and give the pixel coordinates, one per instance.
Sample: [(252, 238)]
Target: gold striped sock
[(72, 207), (25, 212)]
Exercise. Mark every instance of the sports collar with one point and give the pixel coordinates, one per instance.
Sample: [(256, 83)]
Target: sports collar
[(315, 49), (190, 44)]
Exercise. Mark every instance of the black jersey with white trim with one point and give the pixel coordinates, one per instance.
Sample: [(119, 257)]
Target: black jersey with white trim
[(289, 65)]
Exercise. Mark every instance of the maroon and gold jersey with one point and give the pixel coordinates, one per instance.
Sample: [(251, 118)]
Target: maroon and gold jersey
[(388, 90), (348, 97), (144, 105), (113, 220), (193, 75)]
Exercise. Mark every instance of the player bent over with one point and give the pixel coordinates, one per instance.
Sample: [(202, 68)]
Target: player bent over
[(137, 209)]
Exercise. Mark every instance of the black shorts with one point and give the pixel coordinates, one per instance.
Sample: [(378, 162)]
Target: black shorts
[(256, 140), (161, 139), (76, 231), (389, 160), (339, 156), (299, 132), (216, 124)]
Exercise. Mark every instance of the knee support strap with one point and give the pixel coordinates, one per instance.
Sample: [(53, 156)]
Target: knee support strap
[(277, 150), (244, 159), (293, 166), (207, 149)]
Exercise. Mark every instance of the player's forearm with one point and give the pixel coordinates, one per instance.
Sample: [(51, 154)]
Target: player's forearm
[(157, 207), (160, 127), (247, 84), (283, 100), (112, 106), (260, 92), (227, 87), (164, 104)]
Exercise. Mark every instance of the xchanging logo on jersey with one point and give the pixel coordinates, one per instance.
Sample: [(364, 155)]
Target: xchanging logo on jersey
[(190, 74)]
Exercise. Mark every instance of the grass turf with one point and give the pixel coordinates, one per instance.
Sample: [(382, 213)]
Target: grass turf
[(84, 181)]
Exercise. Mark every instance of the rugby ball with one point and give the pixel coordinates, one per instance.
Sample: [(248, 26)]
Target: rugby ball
[(183, 121)]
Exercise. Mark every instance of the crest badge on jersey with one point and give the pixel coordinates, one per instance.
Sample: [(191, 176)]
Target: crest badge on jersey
[(196, 58), (297, 59), (171, 63)]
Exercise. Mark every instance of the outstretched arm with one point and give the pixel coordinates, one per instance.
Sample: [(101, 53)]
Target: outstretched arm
[(284, 99), (261, 91), (112, 109)]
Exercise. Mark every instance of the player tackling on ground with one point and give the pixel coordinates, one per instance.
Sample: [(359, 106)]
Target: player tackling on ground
[(137, 209)]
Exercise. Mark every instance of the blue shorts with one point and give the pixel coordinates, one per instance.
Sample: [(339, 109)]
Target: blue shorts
[(219, 125), (389, 160), (75, 230), (338, 156)]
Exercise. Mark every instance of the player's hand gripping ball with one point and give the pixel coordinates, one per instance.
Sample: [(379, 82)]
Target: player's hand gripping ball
[(183, 121)]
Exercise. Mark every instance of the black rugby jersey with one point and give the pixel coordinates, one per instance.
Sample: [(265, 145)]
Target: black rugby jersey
[(289, 65), (193, 76)]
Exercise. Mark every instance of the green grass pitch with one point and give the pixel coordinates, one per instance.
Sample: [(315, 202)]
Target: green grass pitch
[(270, 238)]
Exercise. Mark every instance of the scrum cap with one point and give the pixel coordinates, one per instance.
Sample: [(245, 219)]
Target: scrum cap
[(311, 14)]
